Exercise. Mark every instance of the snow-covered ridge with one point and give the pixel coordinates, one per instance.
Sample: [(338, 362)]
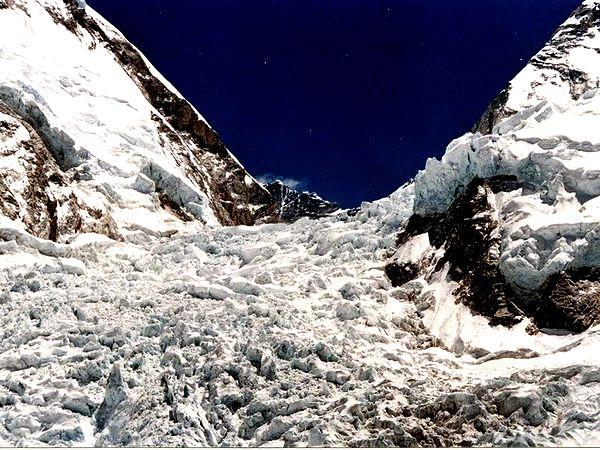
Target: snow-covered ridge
[(128, 149), (511, 209), (566, 67)]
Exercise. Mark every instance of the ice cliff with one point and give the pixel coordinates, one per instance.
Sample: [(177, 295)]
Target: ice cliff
[(513, 206)]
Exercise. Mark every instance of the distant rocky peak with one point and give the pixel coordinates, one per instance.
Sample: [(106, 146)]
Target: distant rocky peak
[(292, 205)]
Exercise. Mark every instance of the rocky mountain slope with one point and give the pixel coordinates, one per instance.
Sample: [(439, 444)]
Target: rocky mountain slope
[(123, 324), (292, 205), (88, 124), (510, 214)]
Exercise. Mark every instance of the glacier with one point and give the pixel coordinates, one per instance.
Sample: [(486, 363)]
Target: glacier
[(149, 295)]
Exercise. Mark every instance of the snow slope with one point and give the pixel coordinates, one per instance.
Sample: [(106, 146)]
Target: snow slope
[(130, 153), (563, 70)]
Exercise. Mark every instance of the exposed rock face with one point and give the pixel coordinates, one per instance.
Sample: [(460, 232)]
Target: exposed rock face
[(469, 235), (34, 190), (292, 205), (511, 212), (495, 113), (99, 117), (573, 301)]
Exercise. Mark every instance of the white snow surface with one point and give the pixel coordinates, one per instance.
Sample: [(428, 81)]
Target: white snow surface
[(568, 50)]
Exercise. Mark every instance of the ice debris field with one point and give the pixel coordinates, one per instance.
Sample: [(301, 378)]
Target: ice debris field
[(277, 334)]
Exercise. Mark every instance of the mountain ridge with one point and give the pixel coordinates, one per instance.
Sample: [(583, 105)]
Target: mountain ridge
[(551, 65), (161, 137), (518, 194), (293, 205)]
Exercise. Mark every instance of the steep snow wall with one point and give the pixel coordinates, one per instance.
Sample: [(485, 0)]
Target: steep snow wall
[(123, 139), (565, 68)]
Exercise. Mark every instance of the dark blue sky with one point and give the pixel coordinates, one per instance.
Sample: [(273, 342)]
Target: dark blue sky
[(348, 96)]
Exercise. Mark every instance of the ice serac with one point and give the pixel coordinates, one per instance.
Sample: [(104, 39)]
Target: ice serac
[(93, 139), (511, 212), (292, 205)]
